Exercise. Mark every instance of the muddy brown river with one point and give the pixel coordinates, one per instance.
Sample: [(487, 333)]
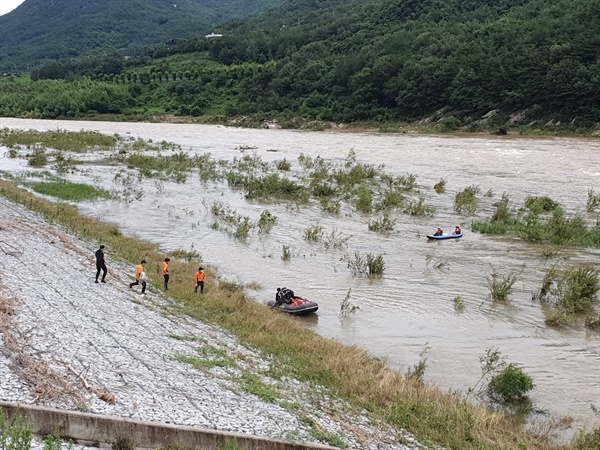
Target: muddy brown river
[(408, 314)]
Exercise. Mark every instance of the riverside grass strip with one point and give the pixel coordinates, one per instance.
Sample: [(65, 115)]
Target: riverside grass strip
[(434, 417)]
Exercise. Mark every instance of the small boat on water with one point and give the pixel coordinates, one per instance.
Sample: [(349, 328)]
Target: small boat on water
[(444, 236), (298, 307)]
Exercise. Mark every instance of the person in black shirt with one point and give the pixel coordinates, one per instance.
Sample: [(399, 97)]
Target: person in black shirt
[(100, 264)]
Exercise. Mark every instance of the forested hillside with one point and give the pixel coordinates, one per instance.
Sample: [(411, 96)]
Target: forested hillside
[(349, 60), (42, 30)]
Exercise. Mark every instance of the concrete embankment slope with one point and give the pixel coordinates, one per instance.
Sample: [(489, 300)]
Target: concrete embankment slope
[(71, 344)]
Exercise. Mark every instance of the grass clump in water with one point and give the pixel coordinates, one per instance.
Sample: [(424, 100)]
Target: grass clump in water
[(459, 303), (38, 157), (382, 224), (266, 221), (313, 233), (367, 264), (66, 190), (419, 208)]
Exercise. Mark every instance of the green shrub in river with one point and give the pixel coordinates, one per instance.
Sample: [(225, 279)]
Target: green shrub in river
[(500, 286), (313, 233), (266, 221), (38, 157), (510, 384), (382, 224), (572, 289), (531, 225), (593, 201), (466, 200), (274, 186), (505, 383), (419, 208), (440, 186), (541, 204), (364, 201)]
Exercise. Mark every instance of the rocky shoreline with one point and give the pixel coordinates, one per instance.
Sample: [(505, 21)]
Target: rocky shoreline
[(103, 348)]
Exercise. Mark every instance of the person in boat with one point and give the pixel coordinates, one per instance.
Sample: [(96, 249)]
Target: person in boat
[(439, 232), (283, 296), (457, 230)]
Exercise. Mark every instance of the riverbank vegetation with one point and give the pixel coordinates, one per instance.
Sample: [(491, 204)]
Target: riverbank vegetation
[(523, 66), (433, 416)]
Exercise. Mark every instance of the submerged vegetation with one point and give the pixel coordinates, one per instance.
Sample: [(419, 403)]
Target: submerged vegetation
[(573, 290), (541, 220)]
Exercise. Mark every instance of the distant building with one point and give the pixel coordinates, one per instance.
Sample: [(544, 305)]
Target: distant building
[(213, 36)]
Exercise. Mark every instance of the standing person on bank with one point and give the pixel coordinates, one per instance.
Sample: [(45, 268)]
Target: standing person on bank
[(140, 277), (100, 264), (199, 277), (166, 272)]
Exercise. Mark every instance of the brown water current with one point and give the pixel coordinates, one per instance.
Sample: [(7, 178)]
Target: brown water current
[(407, 314)]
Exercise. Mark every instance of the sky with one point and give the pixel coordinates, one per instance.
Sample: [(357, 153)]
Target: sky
[(8, 5)]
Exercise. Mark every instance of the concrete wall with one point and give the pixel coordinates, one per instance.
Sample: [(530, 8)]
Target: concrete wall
[(101, 431)]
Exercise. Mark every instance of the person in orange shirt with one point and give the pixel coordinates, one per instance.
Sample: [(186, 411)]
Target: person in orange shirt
[(166, 272), (199, 277), (140, 277)]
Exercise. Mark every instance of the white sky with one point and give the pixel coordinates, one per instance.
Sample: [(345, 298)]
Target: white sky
[(8, 5)]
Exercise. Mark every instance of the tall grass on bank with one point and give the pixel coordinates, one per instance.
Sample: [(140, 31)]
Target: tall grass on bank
[(433, 416)]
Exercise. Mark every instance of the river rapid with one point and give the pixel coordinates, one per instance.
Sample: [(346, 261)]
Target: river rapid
[(408, 314)]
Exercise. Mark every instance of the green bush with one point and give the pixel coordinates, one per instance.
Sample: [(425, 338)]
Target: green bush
[(440, 186), (573, 289), (510, 384), (541, 204), (38, 158), (364, 202), (266, 221), (500, 286), (466, 200), (502, 212)]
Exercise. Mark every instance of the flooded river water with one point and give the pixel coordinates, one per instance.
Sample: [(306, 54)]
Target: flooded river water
[(410, 309)]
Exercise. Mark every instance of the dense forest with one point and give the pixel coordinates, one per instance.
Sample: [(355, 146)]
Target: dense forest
[(347, 60), (40, 31)]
